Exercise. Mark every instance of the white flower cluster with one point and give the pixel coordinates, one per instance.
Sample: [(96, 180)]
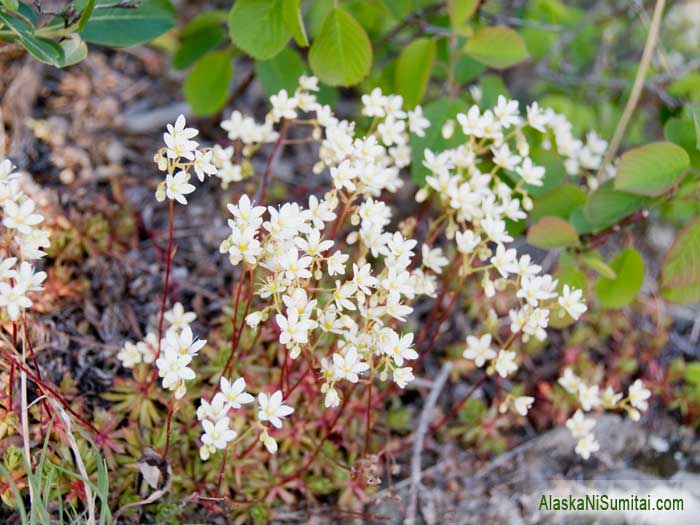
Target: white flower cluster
[(315, 290), (469, 184), (591, 398), (177, 349), (178, 158), (24, 242), (215, 420)]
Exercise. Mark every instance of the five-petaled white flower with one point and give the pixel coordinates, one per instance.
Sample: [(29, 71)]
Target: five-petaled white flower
[(272, 408)]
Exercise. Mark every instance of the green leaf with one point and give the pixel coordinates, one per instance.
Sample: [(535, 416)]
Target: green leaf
[(552, 232), (195, 43), (281, 72), (206, 87), (497, 47), (651, 169), (291, 11), (606, 206), (460, 11), (559, 202), (86, 14), (258, 28), (491, 87), (682, 131), (594, 261), (413, 70), (628, 266), (437, 111), (341, 55), (128, 26), (43, 49), (680, 271), (74, 50)]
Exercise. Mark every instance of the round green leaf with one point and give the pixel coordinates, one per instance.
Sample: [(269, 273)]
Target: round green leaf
[(294, 22), (460, 11), (206, 87), (552, 232), (196, 44), (258, 28), (680, 271), (628, 266), (651, 169), (280, 72), (607, 206), (559, 202), (128, 26), (341, 55), (413, 69), (497, 47)]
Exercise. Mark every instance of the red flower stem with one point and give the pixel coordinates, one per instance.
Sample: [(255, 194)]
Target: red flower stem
[(171, 407), (49, 390), (316, 451)]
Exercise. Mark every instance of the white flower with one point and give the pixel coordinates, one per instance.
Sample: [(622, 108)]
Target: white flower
[(506, 111), (349, 366), (571, 300), (129, 355), (505, 261), (467, 241), (184, 342), (234, 392), (638, 395), (177, 140), (336, 263), (26, 277), (363, 279), (588, 396), (536, 118), (177, 186), (217, 434), (14, 299), (331, 399), (503, 157), (570, 381), (178, 318), (308, 83), (148, 348), (373, 104), (399, 347), (21, 217), (579, 425), (479, 349), (433, 258), (203, 164), (172, 367), (217, 409), (610, 398), (283, 106), (522, 404), (403, 376), (417, 123), (293, 329), (273, 409), (505, 363), (530, 173), (586, 446)]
